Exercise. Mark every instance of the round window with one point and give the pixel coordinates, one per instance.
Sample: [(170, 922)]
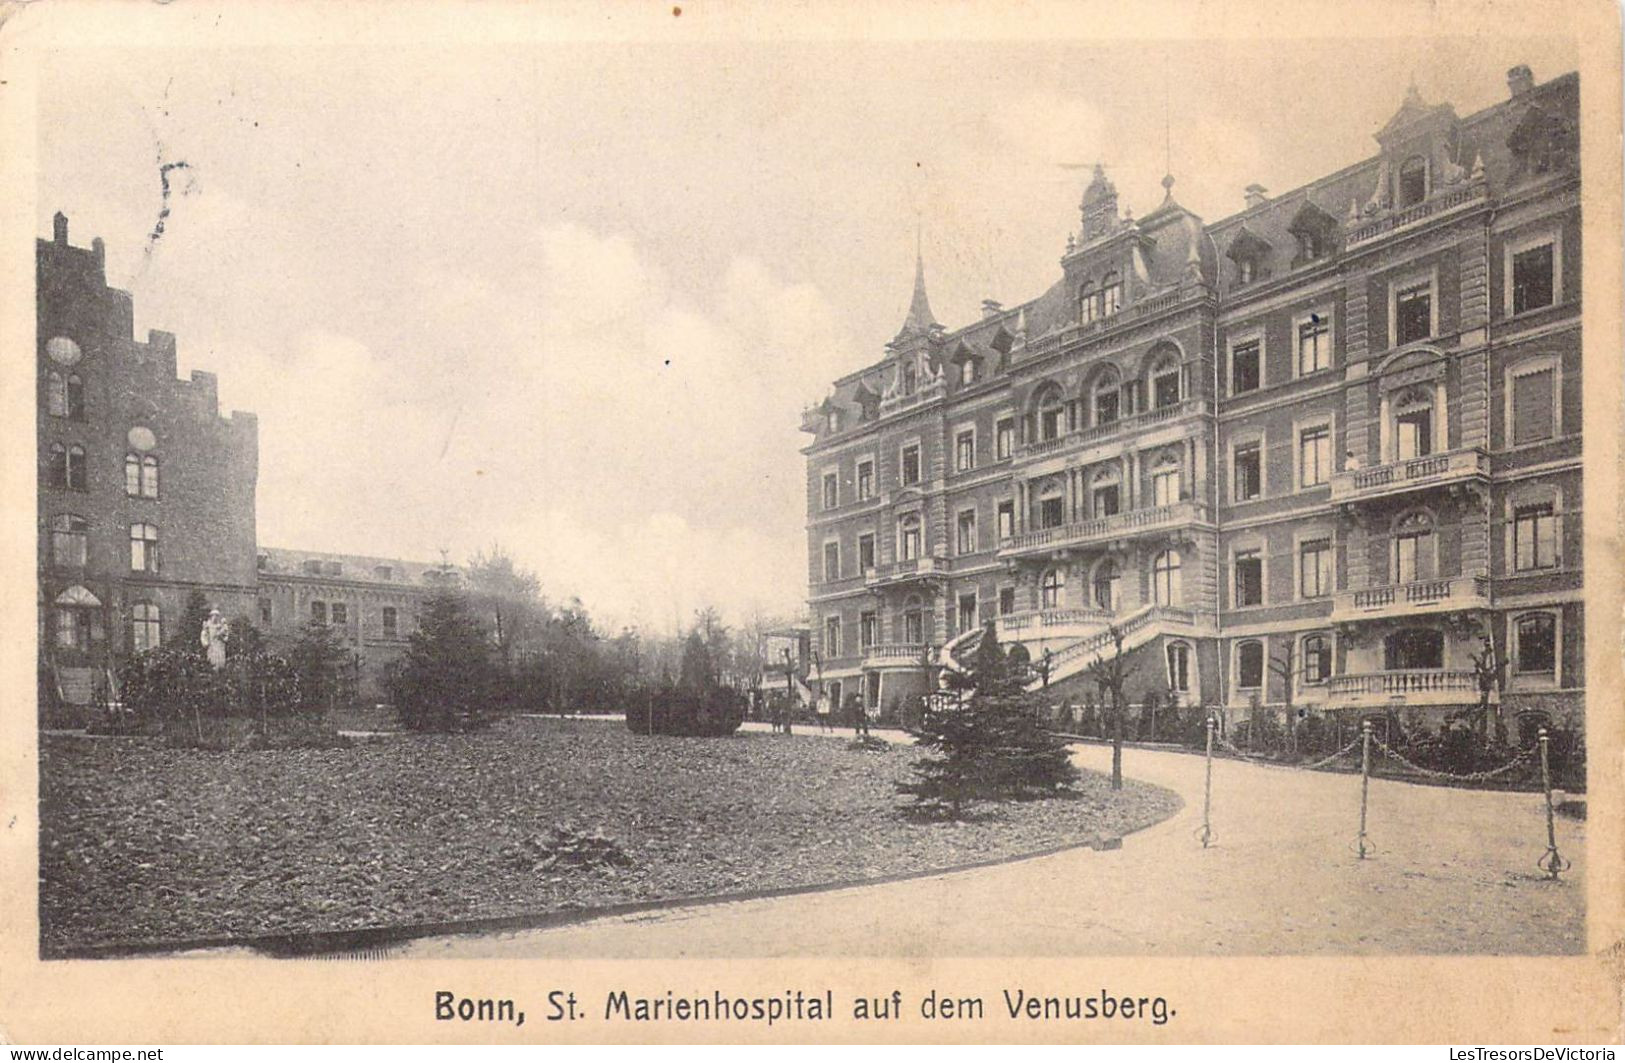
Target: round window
[(62, 350), (142, 439)]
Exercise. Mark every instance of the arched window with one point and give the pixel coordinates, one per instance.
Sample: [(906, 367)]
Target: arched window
[(1052, 588), (1317, 659), (1250, 665), (1536, 650), (146, 627), (1413, 648), (1107, 404), (1179, 667), (967, 371), (69, 540), (1165, 580), (1088, 308), (56, 394), (75, 469), (913, 622), (58, 474), (143, 547), (1414, 549), (149, 476), (1051, 410), (1105, 494), (1413, 181), (1111, 294), (78, 615), (132, 475), (1165, 482), (75, 397), (908, 538), (910, 378), (1107, 579), (1165, 381)]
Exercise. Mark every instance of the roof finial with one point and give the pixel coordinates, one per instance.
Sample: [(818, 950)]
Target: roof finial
[(919, 307)]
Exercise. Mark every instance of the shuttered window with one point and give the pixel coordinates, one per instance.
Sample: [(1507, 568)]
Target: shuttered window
[(1533, 415)]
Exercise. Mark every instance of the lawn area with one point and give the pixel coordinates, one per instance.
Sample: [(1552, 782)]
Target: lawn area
[(141, 843)]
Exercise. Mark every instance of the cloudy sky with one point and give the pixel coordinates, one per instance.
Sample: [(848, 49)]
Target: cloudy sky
[(573, 299)]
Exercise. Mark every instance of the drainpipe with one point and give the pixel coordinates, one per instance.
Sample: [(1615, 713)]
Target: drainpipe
[(1214, 501)]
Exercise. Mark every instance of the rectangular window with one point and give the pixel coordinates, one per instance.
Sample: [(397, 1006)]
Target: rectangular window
[(965, 451), (866, 551), (1413, 557), (1165, 487), (1534, 537), (1051, 512), (392, 622), (1533, 418), (1315, 568), (832, 490), (965, 532), (866, 480), (1532, 276), (70, 542), (1007, 601), (1317, 659), (1245, 367), (1007, 519), (143, 548), (1314, 345), (1106, 406), (967, 611), (1249, 472), (1413, 313), (1049, 423), (146, 627), (1250, 665), (1415, 434), (908, 539), (318, 612), (832, 561), (341, 614), (1537, 644), (832, 636), (132, 476), (1107, 501), (265, 611), (868, 629), (1004, 438), (1249, 578), (911, 464), (1314, 456)]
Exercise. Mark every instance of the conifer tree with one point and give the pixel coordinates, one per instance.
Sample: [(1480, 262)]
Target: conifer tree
[(445, 678)]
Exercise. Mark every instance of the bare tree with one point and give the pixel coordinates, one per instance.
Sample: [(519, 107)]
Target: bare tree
[(1488, 670), (1285, 667), (1111, 674)]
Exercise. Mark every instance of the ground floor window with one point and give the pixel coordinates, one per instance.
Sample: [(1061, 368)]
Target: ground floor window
[(967, 611), (1536, 651), (146, 628), (1107, 577), (1413, 648), (1317, 658), (73, 627), (1053, 587), (1007, 600), (1179, 667), (1165, 588), (1250, 665)]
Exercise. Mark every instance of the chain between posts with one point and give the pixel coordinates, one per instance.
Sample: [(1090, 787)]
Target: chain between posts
[(1475, 776)]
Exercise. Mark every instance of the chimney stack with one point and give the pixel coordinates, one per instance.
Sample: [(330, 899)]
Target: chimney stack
[(1520, 80), (98, 251), (1255, 195), (991, 308), (59, 229)]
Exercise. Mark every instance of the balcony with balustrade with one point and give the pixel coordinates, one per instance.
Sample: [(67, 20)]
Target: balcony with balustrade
[(914, 571), (1412, 599), (1134, 424), (1468, 464), (1061, 622), (1459, 199), (1148, 521), (1399, 688), (896, 655)]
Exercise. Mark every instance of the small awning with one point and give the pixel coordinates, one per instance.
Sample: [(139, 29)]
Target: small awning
[(77, 595)]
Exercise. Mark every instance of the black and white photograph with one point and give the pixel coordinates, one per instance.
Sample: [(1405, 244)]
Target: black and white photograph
[(656, 486)]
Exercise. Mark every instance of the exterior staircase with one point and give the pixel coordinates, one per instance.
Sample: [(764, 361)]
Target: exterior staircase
[(1084, 635)]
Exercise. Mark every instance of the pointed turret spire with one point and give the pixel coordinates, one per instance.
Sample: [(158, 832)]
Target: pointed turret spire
[(919, 318)]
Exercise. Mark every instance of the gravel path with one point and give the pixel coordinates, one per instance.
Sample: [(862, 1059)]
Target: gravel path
[(1453, 873)]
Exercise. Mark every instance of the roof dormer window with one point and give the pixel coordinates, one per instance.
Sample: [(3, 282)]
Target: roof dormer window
[(1250, 253), (1412, 186)]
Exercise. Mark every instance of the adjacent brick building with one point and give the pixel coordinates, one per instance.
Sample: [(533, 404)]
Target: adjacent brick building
[(1332, 440), (147, 494)]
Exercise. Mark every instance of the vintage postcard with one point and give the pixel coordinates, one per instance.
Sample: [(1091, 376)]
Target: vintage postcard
[(825, 523)]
